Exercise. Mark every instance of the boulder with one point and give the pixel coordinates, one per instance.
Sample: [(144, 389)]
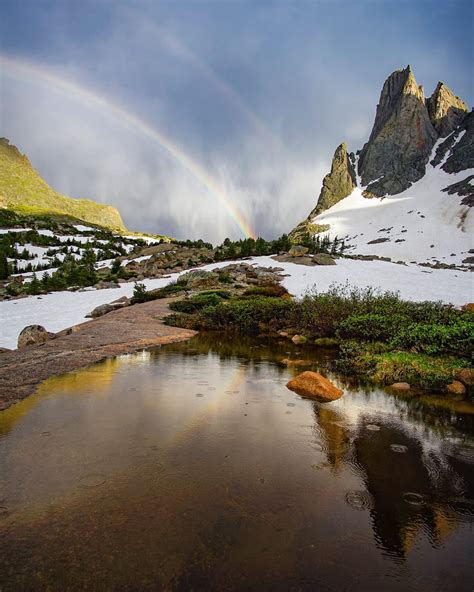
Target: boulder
[(313, 384), (33, 335), (199, 280), (297, 339), (456, 388), (400, 386), (297, 251), (465, 375), (101, 310), (103, 285), (469, 306), (323, 259)]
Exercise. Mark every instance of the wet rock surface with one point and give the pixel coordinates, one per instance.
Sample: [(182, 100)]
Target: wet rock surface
[(120, 332)]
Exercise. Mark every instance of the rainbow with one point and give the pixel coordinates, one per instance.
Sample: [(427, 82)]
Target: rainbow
[(32, 73)]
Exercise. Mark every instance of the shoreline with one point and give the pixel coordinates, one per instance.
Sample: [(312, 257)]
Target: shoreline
[(120, 332)]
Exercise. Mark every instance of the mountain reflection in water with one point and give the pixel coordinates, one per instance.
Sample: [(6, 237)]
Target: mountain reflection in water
[(192, 467)]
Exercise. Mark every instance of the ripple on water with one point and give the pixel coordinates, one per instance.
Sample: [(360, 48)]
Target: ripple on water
[(92, 480), (414, 499), (359, 500), (399, 448), (462, 505)]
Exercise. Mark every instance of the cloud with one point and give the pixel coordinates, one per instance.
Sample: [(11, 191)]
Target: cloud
[(258, 95)]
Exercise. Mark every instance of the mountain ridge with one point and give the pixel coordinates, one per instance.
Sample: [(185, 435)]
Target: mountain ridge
[(417, 148), (24, 191)]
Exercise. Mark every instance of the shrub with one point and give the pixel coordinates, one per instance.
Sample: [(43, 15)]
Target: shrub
[(247, 316), (370, 327), (196, 303), (457, 337), (139, 293), (275, 291)]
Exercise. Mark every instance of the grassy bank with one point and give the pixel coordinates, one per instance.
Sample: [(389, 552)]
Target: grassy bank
[(380, 336)]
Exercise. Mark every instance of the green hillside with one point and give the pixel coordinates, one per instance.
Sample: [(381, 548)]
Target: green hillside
[(22, 190)]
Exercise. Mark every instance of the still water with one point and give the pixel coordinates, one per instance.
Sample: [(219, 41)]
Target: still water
[(193, 467)]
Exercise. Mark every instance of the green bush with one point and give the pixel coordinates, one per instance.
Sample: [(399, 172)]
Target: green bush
[(457, 337), (370, 327), (247, 316), (196, 303), (275, 291), (139, 293)]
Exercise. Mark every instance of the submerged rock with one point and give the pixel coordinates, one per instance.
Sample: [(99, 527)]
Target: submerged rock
[(313, 384), (33, 335), (288, 362)]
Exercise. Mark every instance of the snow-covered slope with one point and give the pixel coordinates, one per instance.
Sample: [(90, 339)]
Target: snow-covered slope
[(422, 224)]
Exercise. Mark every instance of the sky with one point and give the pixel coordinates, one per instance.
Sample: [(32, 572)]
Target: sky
[(212, 119)]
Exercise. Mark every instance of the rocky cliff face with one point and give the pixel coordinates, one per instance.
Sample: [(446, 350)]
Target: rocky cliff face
[(446, 110), (401, 140), (337, 184), (429, 217)]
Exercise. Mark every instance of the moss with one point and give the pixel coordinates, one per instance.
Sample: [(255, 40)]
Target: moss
[(416, 369), (327, 342)]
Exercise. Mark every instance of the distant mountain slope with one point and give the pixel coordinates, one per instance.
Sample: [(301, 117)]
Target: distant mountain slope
[(412, 196), (24, 191)]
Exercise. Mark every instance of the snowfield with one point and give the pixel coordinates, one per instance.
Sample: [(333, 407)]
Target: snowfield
[(422, 224), (60, 310)]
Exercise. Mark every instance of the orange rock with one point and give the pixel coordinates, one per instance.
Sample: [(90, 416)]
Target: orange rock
[(456, 388), (465, 375), (313, 384), (468, 306), (400, 386)]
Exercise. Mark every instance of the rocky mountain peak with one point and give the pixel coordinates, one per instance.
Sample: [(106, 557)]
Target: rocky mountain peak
[(445, 109), (337, 184), (401, 139)]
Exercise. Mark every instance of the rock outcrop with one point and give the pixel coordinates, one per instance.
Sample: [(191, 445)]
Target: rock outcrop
[(401, 140), (462, 153), (337, 184), (445, 109)]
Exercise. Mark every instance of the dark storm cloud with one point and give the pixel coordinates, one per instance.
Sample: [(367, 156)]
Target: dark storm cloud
[(258, 93)]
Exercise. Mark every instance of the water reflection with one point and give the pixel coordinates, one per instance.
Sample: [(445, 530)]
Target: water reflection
[(192, 467)]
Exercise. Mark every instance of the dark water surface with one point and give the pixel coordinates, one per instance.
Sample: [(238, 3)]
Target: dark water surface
[(193, 467)]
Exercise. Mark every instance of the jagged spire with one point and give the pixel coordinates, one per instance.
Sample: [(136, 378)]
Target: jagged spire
[(401, 139), (445, 109)]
